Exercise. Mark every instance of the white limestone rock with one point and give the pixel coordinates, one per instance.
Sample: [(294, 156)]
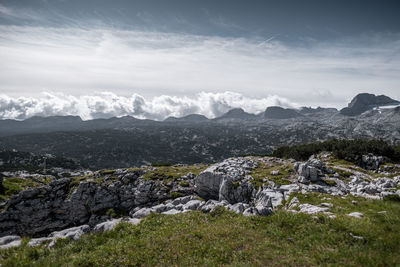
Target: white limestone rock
[(311, 209), (143, 212), (10, 241), (106, 226), (355, 215)]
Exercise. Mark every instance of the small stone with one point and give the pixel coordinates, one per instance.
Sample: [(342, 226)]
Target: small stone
[(275, 172), (172, 212), (357, 237), (311, 209), (328, 205), (106, 226), (355, 214)]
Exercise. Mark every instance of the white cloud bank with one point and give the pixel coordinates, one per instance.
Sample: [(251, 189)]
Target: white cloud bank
[(107, 104), (80, 61)]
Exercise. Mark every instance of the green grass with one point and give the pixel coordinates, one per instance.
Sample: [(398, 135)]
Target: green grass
[(13, 185), (342, 173), (341, 162), (184, 184), (170, 173), (264, 171), (225, 238)]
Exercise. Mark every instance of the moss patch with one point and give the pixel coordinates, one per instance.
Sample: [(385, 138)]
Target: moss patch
[(170, 173), (13, 185), (263, 171)]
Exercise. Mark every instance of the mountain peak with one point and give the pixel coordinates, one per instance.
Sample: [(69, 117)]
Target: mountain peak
[(237, 113), (364, 101)]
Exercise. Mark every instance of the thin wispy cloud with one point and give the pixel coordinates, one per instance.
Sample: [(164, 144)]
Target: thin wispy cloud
[(76, 60)]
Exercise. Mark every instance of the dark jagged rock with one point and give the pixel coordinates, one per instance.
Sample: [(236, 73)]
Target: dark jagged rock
[(363, 102), (372, 162), (276, 112), (39, 211)]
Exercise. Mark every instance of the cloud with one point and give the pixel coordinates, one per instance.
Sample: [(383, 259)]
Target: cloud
[(79, 61), (107, 104)]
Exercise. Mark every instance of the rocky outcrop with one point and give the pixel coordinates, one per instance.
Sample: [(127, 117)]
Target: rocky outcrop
[(311, 171), (59, 205), (372, 162), (227, 180), (64, 209)]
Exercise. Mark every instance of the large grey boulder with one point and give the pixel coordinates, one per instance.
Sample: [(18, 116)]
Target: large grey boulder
[(235, 191), (311, 171), (372, 162), (269, 198), (208, 182), (226, 180)]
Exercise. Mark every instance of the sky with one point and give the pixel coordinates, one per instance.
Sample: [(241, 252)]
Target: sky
[(160, 58)]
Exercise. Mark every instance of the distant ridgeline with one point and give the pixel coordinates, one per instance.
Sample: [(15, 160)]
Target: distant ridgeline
[(130, 142), (350, 150), (12, 160)]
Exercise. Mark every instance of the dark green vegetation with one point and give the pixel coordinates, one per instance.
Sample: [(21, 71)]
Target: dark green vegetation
[(17, 160), (225, 238), (158, 164), (349, 150), (175, 143)]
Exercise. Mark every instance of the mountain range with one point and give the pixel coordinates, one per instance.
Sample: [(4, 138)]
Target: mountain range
[(128, 141)]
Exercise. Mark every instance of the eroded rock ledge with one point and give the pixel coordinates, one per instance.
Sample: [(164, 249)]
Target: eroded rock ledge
[(60, 210)]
